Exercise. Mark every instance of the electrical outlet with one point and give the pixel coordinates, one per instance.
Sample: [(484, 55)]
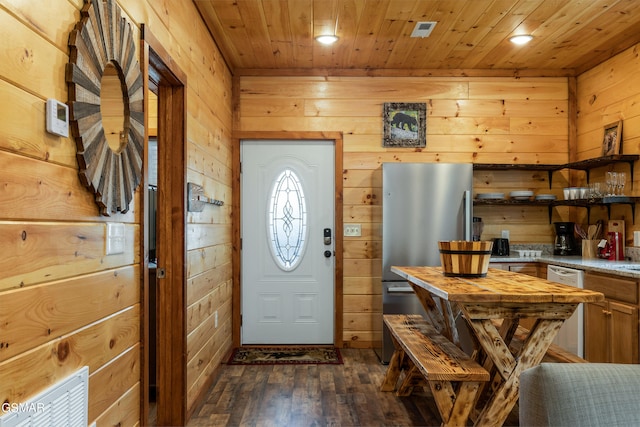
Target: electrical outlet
[(215, 319), (505, 234), (352, 230)]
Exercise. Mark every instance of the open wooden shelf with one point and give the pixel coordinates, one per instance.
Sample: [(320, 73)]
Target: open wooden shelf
[(581, 165), (584, 165), (585, 203)]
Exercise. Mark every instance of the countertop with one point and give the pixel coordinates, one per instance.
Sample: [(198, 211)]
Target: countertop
[(620, 268)]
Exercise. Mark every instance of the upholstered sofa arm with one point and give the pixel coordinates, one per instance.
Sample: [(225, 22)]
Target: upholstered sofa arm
[(580, 394)]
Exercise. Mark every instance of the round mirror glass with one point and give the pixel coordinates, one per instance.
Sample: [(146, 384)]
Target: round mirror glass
[(113, 107)]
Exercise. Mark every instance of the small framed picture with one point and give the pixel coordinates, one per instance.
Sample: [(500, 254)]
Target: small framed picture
[(405, 124), (612, 139)]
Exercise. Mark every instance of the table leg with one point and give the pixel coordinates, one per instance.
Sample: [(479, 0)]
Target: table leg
[(440, 313), (433, 310), (449, 315), (506, 331), (505, 395)]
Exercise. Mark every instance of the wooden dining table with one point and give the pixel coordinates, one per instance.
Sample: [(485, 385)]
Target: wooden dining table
[(492, 307)]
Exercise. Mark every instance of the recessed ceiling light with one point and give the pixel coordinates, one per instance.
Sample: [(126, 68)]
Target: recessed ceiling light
[(327, 39), (521, 39)]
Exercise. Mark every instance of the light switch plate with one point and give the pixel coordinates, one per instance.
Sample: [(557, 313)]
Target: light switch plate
[(115, 238), (352, 230)]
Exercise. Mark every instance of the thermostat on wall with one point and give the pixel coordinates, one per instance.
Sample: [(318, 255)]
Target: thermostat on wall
[(57, 117)]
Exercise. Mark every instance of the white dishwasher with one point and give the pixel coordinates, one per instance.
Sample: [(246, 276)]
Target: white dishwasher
[(571, 335)]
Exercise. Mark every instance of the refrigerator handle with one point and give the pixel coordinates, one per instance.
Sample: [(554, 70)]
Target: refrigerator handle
[(468, 214)]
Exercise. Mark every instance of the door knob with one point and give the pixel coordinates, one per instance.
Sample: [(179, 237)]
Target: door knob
[(327, 254)]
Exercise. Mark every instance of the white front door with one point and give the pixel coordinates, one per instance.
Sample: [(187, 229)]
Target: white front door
[(287, 231)]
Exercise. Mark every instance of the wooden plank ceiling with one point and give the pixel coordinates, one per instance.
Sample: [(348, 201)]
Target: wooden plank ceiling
[(471, 36)]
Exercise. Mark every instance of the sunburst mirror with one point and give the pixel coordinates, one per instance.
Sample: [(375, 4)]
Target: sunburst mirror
[(105, 100)]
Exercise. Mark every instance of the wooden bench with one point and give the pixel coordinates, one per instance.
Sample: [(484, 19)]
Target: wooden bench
[(425, 355)]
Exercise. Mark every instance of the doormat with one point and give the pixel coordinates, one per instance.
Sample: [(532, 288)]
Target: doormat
[(285, 356)]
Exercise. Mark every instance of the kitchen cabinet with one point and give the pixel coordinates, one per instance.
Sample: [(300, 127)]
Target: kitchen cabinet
[(529, 268), (611, 327)]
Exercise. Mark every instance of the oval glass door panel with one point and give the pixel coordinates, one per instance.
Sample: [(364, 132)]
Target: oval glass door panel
[(287, 220)]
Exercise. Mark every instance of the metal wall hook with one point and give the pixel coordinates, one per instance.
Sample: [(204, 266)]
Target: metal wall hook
[(196, 200)]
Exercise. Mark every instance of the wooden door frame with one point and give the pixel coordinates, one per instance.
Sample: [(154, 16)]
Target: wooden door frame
[(336, 137), (161, 73)]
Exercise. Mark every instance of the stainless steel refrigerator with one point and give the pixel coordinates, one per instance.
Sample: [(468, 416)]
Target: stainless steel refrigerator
[(422, 203)]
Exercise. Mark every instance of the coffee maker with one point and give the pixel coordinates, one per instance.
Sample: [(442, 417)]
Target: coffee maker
[(565, 243)]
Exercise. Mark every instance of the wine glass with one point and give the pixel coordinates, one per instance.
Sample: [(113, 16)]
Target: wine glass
[(622, 180), (612, 182)]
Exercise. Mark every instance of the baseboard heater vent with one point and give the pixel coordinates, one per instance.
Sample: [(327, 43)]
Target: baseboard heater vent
[(66, 403)]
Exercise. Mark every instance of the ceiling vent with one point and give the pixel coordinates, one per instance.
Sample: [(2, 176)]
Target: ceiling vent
[(423, 29)]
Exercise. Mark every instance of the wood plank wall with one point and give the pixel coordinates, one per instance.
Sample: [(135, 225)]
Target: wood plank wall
[(608, 93), (63, 303), (482, 120)]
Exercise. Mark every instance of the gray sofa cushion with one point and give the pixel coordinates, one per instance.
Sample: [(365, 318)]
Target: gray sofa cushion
[(580, 394)]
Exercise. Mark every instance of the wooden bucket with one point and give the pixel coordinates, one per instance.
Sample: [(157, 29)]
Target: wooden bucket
[(463, 258)]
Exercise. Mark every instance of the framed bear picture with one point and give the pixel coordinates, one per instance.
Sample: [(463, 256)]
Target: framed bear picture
[(405, 124)]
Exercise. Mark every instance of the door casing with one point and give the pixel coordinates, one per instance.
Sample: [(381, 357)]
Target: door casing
[(162, 75), (336, 137)]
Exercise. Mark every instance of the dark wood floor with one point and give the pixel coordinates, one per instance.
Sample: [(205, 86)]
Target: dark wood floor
[(312, 395)]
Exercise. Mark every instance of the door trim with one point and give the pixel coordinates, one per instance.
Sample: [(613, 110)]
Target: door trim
[(336, 137), (161, 73)]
